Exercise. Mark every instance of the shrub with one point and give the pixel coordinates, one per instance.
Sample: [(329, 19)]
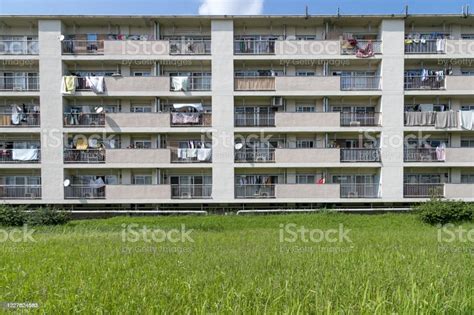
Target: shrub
[(47, 216), (437, 211), (12, 216)]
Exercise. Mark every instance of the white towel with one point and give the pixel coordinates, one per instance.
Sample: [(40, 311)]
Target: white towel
[(441, 44), (179, 83), (467, 119), (25, 154), (204, 154), (96, 84)]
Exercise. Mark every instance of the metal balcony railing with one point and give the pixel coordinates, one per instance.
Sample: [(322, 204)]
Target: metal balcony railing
[(424, 83), (190, 83), (421, 155), (360, 155), (180, 119), (20, 191), (255, 155), (428, 46), (254, 47), (83, 47), (19, 47), (84, 192), (25, 120), (354, 119), (10, 156), (250, 83), (190, 46), (84, 120), (255, 191), (254, 120), (349, 83), (89, 156), (362, 190), (19, 83), (361, 44), (191, 191), (419, 190)]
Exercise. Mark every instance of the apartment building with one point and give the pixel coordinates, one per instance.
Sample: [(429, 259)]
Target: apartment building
[(232, 112)]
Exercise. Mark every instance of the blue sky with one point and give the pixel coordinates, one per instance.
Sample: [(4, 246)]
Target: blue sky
[(166, 7)]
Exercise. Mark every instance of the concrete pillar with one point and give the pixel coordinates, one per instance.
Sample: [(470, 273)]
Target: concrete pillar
[(392, 71), (222, 33), (51, 99)]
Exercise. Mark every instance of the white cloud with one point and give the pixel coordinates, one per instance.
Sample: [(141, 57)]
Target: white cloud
[(231, 7)]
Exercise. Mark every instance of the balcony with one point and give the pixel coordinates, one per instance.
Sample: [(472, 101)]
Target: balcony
[(20, 120), (420, 190), (20, 192), (352, 83), (314, 155), (20, 156), (307, 120), (190, 83), (255, 155), (363, 48), (422, 155), (84, 120), (182, 119), (254, 120), (254, 84), (359, 190), (83, 47), (19, 83), (254, 47), (190, 47), (89, 156), (136, 156), (360, 155), (138, 192), (191, 155), (424, 83), (258, 191), (19, 47), (84, 192), (355, 119), (427, 46), (137, 120), (191, 191), (458, 191), (307, 191)]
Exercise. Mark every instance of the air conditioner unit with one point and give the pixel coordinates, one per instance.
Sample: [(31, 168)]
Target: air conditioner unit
[(277, 101)]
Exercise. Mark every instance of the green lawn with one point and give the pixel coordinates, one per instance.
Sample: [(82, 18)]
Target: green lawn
[(392, 264)]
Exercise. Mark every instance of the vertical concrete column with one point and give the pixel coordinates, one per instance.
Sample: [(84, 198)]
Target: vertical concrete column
[(392, 71), (51, 99), (222, 32)]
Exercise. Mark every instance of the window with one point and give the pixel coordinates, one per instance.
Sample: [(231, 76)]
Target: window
[(422, 178), (306, 37), (141, 73), (305, 73), (142, 179), (467, 72), (141, 109), (305, 179), (305, 144), (467, 36), (467, 107), (305, 108), (467, 179), (467, 143), (142, 144)]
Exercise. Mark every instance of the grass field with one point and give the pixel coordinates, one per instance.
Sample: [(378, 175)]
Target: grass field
[(387, 264)]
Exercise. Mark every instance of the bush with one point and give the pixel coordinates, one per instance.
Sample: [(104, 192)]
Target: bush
[(12, 216), (18, 216), (437, 211)]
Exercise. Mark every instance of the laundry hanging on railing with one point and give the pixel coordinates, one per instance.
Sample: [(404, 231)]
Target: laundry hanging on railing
[(448, 119), (424, 118), (366, 52), (25, 154), (467, 119), (95, 83), (185, 118), (441, 152), (180, 83), (68, 84)]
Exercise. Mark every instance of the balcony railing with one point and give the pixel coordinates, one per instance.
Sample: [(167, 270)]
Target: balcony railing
[(83, 47), (90, 156), (19, 83), (190, 47), (9, 156), (254, 120), (18, 47), (424, 83), (257, 191), (362, 44), (349, 83), (84, 119), (360, 155), (190, 83), (363, 190), (185, 155), (423, 190), (248, 83), (20, 192), (22, 120), (255, 155), (422, 155), (180, 119), (354, 119), (254, 47), (428, 46), (191, 191), (84, 192)]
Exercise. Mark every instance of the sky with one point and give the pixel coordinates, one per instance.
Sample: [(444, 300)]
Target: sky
[(236, 7)]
